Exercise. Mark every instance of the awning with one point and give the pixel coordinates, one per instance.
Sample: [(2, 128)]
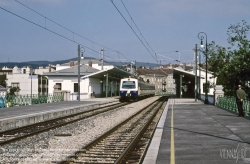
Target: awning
[(112, 73)]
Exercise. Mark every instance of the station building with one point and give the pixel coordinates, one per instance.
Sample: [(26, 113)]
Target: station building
[(185, 84), (97, 79)]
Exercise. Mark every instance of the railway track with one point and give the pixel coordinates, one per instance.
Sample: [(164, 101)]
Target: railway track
[(120, 143), (13, 135)]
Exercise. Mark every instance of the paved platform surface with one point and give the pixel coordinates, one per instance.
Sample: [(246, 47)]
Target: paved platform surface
[(191, 132), (20, 111)]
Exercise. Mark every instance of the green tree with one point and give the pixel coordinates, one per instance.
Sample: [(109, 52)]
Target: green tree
[(230, 65), (12, 90), (2, 80)]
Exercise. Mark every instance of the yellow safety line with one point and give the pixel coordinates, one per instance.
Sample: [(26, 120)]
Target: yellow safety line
[(172, 153)]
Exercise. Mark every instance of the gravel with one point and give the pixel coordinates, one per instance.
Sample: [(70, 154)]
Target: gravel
[(47, 147)]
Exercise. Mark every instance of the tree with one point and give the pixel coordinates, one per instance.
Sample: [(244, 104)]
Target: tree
[(12, 90), (230, 65), (2, 80)]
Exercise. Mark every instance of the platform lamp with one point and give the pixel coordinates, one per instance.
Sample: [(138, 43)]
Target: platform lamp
[(201, 37)]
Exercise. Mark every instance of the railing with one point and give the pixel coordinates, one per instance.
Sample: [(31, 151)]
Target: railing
[(229, 102), (163, 93), (22, 100)]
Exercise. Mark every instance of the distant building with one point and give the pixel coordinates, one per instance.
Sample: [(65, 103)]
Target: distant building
[(161, 78), (185, 83), (5, 71), (94, 81), (29, 81)]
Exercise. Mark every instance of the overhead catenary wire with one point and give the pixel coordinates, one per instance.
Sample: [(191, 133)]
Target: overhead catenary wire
[(132, 29), (47, 29), (56, 33), (74, 33), (136, 26)]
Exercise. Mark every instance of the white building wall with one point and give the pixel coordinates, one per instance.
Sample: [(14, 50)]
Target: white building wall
[(40, 71), (95, 85), (67, 83), (99, 67), (24, 81), (210, 79), (59, 67)]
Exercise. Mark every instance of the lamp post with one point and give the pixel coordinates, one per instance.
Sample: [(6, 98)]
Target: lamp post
[(201, 37)]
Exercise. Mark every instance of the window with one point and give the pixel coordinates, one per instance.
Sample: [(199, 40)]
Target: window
[(59, 86), (128, 84), (75, 87), (15, 85), (24, 71)]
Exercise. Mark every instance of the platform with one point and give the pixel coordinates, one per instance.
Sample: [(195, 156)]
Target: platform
[(191, 132), (19, 116)]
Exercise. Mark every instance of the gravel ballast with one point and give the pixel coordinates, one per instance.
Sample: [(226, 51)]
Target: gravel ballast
[(57, 144)]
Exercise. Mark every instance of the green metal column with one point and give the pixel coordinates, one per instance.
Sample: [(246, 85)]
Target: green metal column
[(107, 85), (111, 87), (116, 88), (180, 86)]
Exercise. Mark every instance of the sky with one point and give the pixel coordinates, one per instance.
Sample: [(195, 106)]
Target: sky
[(34, 30)]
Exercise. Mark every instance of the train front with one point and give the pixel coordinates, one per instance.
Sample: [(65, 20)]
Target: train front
[(128, 89)]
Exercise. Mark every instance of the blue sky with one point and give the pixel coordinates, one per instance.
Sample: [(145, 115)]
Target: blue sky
[(167, 25)]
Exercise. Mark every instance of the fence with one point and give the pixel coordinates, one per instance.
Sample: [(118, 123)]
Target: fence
[(229, 102), (22, 100), (164, 93), (210, 98)]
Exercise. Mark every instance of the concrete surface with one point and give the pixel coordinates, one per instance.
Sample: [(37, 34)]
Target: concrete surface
[(203, 134), (19, 116)]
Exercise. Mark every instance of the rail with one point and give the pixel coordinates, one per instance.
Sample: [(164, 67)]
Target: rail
[(19, 133)]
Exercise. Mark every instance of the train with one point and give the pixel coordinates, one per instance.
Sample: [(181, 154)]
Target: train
[(132, 89)]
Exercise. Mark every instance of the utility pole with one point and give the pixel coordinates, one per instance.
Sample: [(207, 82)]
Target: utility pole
[(79, 51), (102, 53), (195, 57), (199, 76), (31, 83), (107, 86)]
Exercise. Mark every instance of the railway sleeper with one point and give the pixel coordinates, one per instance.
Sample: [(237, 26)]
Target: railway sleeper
[(111, 144), (104, 153), (125, 141), (94, 160), (107, 148), (94, 155)]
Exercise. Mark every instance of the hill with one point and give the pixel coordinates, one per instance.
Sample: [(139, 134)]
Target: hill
[(36, 64)]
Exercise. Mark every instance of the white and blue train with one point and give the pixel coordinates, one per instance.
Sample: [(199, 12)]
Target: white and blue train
[(134, 89)]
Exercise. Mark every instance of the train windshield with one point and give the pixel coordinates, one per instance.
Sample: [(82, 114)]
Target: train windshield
[(128, 84)]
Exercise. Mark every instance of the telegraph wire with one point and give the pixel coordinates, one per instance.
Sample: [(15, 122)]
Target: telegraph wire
[(51, 31), (46, 18), (132, 29), (47, 29), (136, 26), (74, 33)]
